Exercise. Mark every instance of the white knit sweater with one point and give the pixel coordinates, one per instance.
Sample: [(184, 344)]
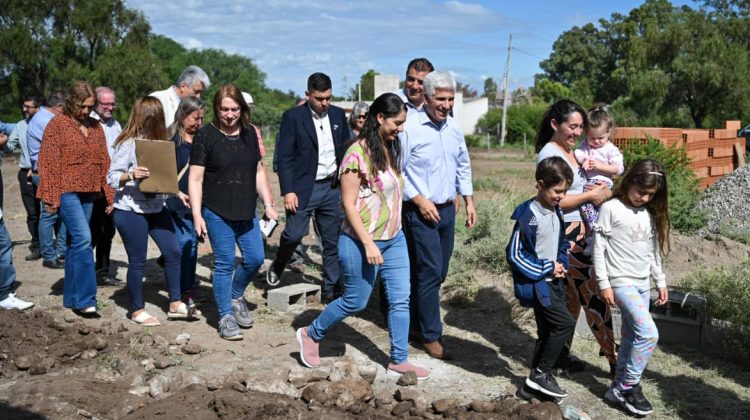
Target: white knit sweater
[(626, 249)]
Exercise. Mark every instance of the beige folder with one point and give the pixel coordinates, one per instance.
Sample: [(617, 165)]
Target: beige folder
[(159, 157)]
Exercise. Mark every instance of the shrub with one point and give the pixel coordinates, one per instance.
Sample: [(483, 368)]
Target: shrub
[(481, 248), (727, 294), (684, 187)]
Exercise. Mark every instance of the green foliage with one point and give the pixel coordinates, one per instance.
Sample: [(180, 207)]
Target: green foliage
[(727, 294), (684, 188), (481, 248), (521, 119), (51, 44), (664, 65), (366, 86)]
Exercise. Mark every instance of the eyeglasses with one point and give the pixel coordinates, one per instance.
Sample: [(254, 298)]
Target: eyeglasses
[(108, 104), (29, 106), (362, 117)]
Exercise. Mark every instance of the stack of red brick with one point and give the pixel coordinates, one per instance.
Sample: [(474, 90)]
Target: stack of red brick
[(712, 152)]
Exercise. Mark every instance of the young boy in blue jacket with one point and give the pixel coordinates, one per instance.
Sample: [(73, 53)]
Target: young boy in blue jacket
[(538, 257)]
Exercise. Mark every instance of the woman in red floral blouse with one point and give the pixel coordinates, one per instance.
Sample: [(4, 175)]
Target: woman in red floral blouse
[(73, 165)]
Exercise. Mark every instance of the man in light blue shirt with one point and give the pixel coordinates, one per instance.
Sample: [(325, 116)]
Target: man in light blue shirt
[(50, 247), (436, 167), (17, 140)]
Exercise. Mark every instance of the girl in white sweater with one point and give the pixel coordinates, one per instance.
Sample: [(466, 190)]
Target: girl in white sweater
[(630, 236)]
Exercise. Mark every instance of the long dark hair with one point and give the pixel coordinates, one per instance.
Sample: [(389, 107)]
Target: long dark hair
[(649, 173), (560, 111), (382, 153)]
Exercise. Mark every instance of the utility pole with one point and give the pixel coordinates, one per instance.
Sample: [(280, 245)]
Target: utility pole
[(505, 90), (345, 89)]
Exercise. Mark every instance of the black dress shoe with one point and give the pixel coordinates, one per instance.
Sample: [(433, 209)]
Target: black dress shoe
[(53, 263), (107, 280), (35, 255)]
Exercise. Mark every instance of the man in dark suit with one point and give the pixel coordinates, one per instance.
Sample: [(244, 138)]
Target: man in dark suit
[(311, 145)]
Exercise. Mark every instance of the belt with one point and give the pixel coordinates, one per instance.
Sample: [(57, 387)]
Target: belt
[(443, 205), (324, 180)]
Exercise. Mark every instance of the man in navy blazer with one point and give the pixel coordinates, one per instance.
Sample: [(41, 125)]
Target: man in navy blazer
[(312, 142)]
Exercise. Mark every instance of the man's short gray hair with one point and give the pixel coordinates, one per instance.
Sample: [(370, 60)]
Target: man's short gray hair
[(192, 75), (100, 90), (438, 80)]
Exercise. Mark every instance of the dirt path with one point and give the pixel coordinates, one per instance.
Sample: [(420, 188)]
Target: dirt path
[(114, 381)]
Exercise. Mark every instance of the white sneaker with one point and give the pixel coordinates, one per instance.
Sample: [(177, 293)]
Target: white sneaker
[(12, 302)]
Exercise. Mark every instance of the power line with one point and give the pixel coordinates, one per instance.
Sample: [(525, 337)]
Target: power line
[(528, 53)]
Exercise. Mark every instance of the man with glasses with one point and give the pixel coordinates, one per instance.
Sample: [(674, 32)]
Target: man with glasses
[(53, 250), (413, 92), (17, 140), (101, 223), (311, 145), (192, 82)]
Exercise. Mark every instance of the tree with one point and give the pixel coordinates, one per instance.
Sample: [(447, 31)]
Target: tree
[(466, 90), (366, 85)]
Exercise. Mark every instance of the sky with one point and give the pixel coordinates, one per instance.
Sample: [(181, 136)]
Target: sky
[(290, 39)]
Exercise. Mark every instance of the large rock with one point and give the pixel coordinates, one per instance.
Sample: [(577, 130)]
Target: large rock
[(299, 377), (343, 369), (276, 386), (443, 405), (158, 386), (408, 379), (24, 362), (413, 395), (368, 372), (317, 392), (540, 411)]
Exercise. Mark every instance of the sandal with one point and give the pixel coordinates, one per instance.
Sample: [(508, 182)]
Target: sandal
[(183, 312), (146, 319)]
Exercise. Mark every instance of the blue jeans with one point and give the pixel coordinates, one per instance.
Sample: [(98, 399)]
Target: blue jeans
[(135, 229), (49, 247), (223, 234), (7, 271), (187, 240), (430, 248), (359, 277), (79, 288)]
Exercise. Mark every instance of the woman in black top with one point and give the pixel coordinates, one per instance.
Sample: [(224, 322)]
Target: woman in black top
[(225, 176)]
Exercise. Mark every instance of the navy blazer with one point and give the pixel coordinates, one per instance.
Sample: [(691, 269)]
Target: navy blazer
[(298, 149)]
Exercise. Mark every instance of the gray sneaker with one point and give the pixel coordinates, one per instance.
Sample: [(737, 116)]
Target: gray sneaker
[(241, 313), (228, 328)]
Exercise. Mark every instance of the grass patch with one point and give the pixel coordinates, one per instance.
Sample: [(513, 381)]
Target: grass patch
[(482, 247), (727, 294), (735, 233)]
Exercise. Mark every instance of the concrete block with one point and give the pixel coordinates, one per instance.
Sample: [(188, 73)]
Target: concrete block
[(293, 297)]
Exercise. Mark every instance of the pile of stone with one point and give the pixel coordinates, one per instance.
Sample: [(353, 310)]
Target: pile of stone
[(727, 202)]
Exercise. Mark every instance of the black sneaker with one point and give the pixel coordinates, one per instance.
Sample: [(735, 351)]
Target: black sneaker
[(273, 277), (631, 400), (545, 383)]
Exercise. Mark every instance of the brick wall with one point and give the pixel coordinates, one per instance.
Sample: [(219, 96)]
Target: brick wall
[(711, 151)]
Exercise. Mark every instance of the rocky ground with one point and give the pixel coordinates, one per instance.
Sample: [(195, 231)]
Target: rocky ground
[(56, 365)]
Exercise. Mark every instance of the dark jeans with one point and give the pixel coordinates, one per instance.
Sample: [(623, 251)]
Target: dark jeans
[(102, 231), (325, 205), (430, 247), (135, 229), (32, 206), (554, 326)]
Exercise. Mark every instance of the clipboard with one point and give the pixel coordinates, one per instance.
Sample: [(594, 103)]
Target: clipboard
[(159, 157)]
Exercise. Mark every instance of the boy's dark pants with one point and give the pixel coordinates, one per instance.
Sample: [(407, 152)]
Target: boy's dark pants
[(554, 326)]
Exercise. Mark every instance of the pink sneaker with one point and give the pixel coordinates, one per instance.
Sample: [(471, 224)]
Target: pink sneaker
[(401, 368), (308, 349)]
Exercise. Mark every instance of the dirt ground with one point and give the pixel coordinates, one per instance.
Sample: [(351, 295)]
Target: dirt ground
[(105, 367)]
